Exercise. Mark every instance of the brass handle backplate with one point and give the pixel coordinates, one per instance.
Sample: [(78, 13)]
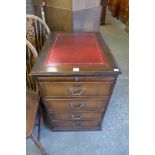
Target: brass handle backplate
[(77, 92), (76, 124), (76, 106), (76, 116)]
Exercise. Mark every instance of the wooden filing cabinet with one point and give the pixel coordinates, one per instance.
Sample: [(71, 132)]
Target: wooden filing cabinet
[(76, 74)]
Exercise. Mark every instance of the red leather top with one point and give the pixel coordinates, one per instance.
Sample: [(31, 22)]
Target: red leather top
[(76, 50)]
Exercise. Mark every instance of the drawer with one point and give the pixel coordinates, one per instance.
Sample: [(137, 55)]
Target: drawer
[(76, 79), (78, 104), (77, 116), (76, 125), (62, 89)]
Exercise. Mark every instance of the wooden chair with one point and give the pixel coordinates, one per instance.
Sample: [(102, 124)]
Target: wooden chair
[(36, 31), (32, 98)]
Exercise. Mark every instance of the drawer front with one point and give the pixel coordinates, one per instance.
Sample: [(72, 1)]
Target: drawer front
[(76, 79), (77, 116), (75, 125), (73, 105), (61, 89)]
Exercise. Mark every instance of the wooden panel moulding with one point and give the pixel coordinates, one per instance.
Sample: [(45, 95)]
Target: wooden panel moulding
[(58, 19), (63, 4)]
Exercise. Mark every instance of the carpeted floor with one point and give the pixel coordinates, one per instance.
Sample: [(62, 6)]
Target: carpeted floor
[(113, 139)]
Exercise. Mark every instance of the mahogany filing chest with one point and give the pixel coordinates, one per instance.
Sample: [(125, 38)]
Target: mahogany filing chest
[(76, 74)]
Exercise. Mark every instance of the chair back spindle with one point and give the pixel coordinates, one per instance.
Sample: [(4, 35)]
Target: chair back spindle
[(31, 56), (37, 31)]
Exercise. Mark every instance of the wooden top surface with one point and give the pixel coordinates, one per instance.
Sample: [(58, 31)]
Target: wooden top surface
[(75, 54)]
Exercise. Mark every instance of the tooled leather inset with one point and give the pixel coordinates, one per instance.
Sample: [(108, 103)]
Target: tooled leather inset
[(76, 50)]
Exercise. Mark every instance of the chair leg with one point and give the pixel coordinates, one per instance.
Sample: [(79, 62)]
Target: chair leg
[(38, 144), (40, 123)]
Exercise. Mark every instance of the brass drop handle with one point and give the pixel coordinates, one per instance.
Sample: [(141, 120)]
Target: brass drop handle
[(76, 124), (76, 106), (76, 116), (76, 90)]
